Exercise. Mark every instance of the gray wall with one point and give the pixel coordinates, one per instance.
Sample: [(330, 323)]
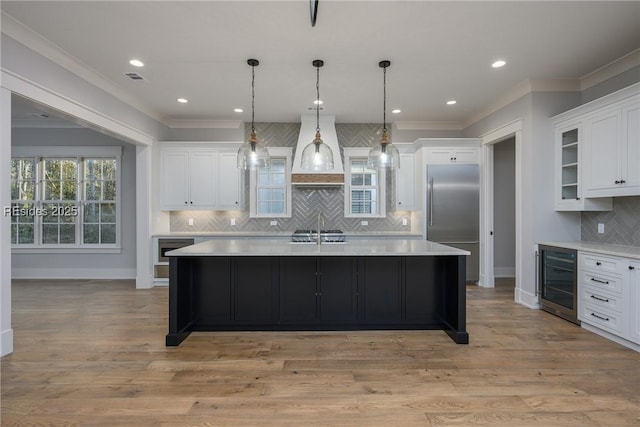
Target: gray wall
[(621, 226), (504, 208), (613, 84), (122, 265), (306, 202)]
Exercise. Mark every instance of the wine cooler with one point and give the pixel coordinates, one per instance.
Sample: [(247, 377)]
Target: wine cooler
[(557, 281)]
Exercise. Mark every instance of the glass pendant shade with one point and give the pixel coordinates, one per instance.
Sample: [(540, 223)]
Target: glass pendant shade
[(384, 154), (253, 155), (317, 156)]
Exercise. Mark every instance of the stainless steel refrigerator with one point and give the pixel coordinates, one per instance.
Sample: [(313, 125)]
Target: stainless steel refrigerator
[(453, 208)]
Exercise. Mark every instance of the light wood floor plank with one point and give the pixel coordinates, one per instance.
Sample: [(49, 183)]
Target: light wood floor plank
[(92, 353)]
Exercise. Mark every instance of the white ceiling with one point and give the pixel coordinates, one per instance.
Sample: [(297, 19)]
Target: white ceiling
[(438, 51)]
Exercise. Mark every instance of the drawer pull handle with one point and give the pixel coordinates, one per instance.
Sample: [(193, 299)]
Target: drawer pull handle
[(600, 299), (606, 319), (598, 263), (631, 267), (600, 281)]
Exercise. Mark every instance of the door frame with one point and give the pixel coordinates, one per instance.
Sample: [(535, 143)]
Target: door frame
[(510, 130)]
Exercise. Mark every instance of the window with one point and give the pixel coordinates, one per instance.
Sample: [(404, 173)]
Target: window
[(364, 194), (65, 201), (271, 187)]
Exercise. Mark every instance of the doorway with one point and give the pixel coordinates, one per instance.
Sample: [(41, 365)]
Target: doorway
[(504, 209)]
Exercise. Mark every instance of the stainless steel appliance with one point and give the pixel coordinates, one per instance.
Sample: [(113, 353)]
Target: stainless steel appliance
[(557, 282), (453, 208), (161, 268), (310, 236)]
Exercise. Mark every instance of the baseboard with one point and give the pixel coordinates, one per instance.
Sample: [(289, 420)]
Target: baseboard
[(6, 342), (633, 346), (73, 273), (504, 272), (527, 299)]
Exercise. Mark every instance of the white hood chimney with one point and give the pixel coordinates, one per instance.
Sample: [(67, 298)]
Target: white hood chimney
[(329, 137)]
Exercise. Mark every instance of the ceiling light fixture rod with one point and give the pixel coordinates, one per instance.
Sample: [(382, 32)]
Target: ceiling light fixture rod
[(253, 63), (313, 9), (384, 65), (318, 63)]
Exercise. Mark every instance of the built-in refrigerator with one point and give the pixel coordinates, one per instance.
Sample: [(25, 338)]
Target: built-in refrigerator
[(453, 207)]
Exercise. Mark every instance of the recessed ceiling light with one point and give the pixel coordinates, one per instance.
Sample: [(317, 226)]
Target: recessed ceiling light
[(182, 100), (499, 63), (396, 111), (318, 102), (451, 102), (136, 63), (238, 110)]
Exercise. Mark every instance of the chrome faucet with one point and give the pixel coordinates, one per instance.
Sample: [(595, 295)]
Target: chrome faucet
[(320, 225)]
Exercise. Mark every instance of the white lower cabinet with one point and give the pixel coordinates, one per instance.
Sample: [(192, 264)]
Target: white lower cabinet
[(609, 297)]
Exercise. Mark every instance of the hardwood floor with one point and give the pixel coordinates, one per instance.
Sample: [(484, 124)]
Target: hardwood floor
[(91, 353)]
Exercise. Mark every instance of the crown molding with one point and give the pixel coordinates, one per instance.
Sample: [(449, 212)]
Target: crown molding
[(39, 44), (523, 88), (610, 70), (44, 124), (428, 125), (201, 124)]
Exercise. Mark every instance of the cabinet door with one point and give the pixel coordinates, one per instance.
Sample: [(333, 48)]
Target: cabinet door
[(466, 155), (337, 289), (603, 152), (253, 289), (446, 155), (203, 180), (229, 181), (212, 297), (634, 301), (175, 179), (381, 278), (422, 298), (405, 183), (298, 289), (631, 143)]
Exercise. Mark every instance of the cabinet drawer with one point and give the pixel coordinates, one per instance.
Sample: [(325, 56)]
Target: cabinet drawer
[(602, 300), (602, 263), (602, 318), (601, 281)]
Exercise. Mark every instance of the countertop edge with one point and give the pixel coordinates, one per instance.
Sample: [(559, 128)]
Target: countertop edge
[(632, 252)]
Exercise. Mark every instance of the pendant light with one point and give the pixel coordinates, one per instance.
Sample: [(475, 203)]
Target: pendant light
[(385, 154), (317, 156), (253, 154)]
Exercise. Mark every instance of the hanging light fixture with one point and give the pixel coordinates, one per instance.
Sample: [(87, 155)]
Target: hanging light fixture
[(253, 154), (317, 156), (385, 154)]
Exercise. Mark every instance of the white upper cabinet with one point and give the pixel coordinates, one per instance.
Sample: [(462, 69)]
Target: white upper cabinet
[(198, 179), (612, 144), (447, 155), (597, 152), (405, 197)]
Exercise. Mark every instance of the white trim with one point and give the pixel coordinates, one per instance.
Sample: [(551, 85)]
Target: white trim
[(6, 342), (610, 70), (36, 42), (521, 89), (144, 247), (6, 332), (86, 116), (511, 129), (363, 153), (610, 336), (201, 124), (285, 153), (428, 125), (73, 273), (504, 272)]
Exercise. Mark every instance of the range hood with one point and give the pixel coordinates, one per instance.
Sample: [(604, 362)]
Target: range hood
[(307, 134)]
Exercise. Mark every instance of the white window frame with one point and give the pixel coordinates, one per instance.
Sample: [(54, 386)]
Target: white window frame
[(363, 153), (79, 153), (285, 153)]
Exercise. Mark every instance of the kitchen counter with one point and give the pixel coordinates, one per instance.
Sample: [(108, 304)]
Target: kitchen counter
[(271, 284), (599, 248), (277, 247), (286, 234)]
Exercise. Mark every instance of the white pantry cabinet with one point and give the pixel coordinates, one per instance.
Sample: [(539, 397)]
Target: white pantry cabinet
[(199, 178), (634, 301)]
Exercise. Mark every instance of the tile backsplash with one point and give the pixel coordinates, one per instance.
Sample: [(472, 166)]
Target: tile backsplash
[(621, 225), (306, 202)]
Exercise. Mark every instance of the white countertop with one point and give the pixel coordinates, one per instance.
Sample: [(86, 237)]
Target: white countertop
[(599, 248), (285, 234), (278, 247)]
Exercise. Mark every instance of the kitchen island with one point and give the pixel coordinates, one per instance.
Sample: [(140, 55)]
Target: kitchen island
[(262, 285)]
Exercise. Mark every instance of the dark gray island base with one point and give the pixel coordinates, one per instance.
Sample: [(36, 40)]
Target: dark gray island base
[(314, 292)]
